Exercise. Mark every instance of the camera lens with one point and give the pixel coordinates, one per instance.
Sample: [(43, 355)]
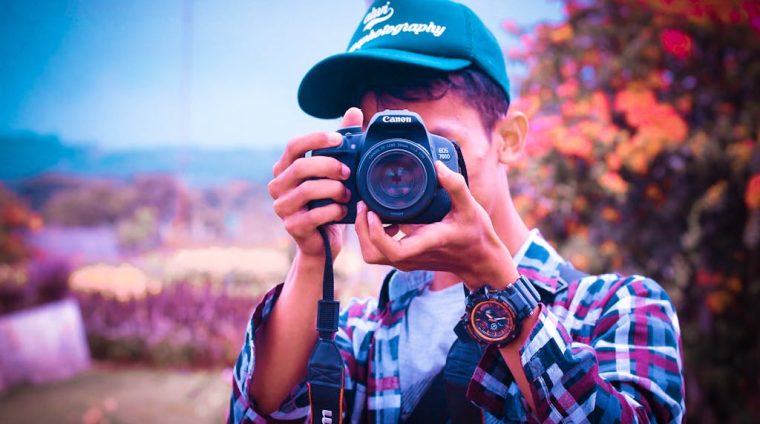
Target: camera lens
[(396, 179)]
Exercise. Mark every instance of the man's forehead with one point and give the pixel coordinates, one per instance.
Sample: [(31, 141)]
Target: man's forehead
[(445, 106)]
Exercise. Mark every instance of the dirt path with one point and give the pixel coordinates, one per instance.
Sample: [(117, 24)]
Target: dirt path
[(109, 395)]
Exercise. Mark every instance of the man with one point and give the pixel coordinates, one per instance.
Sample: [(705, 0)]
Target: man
[(585, 348)]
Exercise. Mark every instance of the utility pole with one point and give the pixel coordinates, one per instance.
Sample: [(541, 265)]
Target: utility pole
[(182, 216)]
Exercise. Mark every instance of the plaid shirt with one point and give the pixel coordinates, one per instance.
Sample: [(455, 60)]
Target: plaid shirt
[(604, 349)]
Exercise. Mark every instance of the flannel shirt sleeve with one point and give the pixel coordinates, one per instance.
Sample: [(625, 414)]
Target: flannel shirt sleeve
[(295, 407), (627, 369)]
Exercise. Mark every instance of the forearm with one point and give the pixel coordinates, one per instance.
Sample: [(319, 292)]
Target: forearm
[(569, 384), (511, 356), (507, 272), (561, 378), (286, 339), (606, 378)]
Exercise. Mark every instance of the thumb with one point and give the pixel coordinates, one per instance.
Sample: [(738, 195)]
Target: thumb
[(352, 118), (454, 184)]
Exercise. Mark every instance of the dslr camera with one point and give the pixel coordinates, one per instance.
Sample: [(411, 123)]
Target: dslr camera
[(392, 169)]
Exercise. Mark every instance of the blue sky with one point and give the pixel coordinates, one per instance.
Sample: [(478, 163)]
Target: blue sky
[(110, 73)]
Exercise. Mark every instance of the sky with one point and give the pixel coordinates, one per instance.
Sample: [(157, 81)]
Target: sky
[(120, 74)]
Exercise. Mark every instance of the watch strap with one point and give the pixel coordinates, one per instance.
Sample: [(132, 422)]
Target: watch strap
[(522, 296)]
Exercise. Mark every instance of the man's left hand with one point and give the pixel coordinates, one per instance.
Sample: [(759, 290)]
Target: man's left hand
[(464, 243)]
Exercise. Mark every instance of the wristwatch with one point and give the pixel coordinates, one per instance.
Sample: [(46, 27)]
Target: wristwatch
[(493, 317)]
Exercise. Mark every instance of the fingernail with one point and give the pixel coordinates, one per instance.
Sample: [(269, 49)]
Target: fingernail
[(345, 210), (360, 206), (334, 138), (441, 167), (347, 195), (344, 171)]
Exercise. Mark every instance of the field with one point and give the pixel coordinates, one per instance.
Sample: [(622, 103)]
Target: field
[(106, 394)]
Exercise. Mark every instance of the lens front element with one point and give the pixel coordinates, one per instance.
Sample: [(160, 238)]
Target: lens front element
[(396, 179)]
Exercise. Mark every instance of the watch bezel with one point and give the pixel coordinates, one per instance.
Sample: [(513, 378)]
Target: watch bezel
[(473, 306)]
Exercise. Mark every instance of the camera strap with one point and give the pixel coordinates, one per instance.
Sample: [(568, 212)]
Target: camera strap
[(325, 372), (460, 162)]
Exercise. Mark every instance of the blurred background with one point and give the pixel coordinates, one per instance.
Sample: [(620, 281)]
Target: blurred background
[(137, 138)]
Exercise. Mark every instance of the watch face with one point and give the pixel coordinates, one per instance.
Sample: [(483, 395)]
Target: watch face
[(492, 320)]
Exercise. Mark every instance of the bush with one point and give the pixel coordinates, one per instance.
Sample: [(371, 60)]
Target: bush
[(645, 157), (182, 325), (15, 217), (33, 283)]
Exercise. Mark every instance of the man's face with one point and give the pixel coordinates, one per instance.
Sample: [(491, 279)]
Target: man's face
[(451, 118)]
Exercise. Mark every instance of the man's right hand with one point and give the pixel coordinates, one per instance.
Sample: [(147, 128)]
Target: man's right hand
[(285, 340), (293, 186)]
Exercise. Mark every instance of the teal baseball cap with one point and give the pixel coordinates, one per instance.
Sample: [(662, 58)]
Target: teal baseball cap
[(438, 35)]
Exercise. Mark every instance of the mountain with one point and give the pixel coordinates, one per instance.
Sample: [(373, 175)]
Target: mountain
[(25, 155)]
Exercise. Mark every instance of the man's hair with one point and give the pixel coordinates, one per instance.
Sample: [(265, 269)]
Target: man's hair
[(473, 87)]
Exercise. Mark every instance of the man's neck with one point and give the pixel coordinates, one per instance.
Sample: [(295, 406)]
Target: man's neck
[(511, 230)]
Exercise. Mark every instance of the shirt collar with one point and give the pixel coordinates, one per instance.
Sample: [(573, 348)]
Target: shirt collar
[(541, 263), (535, 259)]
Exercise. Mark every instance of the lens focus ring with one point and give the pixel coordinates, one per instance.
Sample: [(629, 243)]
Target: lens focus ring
[(396, 179)]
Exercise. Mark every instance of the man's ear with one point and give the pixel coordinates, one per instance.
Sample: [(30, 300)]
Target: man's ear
[(511, 131)]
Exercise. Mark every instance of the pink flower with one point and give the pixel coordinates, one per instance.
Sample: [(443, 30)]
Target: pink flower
[(676, 42)]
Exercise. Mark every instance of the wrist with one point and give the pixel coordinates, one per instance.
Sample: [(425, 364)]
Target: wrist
[(315, 258), (526, 328), (305, 274), (309, 260), (497, 269)]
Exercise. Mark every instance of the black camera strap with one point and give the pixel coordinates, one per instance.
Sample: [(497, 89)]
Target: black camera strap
[(325, 372)]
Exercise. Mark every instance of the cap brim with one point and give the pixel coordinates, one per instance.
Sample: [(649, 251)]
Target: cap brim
[(328, 89)]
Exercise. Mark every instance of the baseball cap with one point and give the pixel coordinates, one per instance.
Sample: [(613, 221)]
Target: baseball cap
[(438, 35)]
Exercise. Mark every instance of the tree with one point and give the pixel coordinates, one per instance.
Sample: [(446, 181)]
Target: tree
[(645, 157), (99, 203), (15, 217)]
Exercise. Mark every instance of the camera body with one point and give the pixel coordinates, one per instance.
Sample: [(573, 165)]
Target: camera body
[(392, 169)]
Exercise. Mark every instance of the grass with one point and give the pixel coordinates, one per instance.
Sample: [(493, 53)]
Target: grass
[(106, 394)]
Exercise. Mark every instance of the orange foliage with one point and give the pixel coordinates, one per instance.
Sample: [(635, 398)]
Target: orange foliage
[(542, 135), (752, 194), (715, 193), (741, 153), (15, 217), (657, 120), (573, 144), (608, 248), (600, 106), (611, 214), (614, 183), (658, 127), (532, 210), (562, 33), (613, 161), (718, 301), (656, 99), (655, 193)]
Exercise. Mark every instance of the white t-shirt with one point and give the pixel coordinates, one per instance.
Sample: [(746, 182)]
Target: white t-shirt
[(425, 341), (428, 331)]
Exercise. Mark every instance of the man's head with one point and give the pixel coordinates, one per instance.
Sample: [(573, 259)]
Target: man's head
[(476, 89), (437, 58), (399, 38)]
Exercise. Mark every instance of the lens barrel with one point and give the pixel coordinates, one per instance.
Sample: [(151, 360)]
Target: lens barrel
[(396, 179)]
